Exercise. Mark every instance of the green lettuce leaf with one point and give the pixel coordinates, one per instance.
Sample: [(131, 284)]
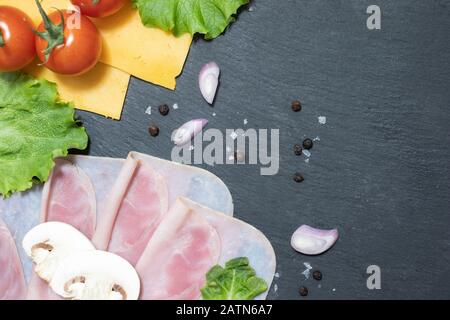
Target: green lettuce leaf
[(208, 17), (35, 127), (237, 281)]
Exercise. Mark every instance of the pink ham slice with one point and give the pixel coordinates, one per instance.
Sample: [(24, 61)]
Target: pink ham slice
[(239, 239), (68, 197), (12, 281), (136, 205), (38, 289), (174, 264)]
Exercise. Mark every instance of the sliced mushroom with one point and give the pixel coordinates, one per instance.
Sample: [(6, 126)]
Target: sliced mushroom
[(49, 243), (96, 275)]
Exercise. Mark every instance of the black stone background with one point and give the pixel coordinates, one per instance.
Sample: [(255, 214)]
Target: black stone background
[(380, 172)]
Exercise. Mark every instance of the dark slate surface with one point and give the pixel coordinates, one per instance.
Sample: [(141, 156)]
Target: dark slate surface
[(381, 170)]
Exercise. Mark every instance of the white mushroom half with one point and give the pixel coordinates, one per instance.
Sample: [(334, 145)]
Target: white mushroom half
[(96, 275), (49, 243)]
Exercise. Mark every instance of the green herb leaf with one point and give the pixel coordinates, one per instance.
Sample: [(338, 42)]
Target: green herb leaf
[(208, 17), (237, 281), (35, 127)]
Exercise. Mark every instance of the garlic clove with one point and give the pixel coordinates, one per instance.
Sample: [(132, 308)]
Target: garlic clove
[(208, 81), (312, 241), (188, 130)]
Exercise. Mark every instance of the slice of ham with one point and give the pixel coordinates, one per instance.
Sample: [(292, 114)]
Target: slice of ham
[(191, 182), (69, 197), (174, 264), (135, 207), (38, 289), (239, 239), (12, 280)]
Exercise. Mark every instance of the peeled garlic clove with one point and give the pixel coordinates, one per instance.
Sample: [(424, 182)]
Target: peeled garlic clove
[(208, 81), (188, 130), (312, 241)]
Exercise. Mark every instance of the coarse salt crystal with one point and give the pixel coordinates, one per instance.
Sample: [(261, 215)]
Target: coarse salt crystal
[(214, 114), (233, 135), (245, 121), (191, 147), (322, 119), (175, 106), (306, 272), (307, 160), (316, 139), (148, 110), (306, 153)]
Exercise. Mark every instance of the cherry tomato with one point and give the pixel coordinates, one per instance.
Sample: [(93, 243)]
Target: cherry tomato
[(17, 48), (77, 52), (99, 8)]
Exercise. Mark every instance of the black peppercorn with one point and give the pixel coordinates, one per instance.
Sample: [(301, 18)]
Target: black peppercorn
[(298, 149), (153, 130), (164, 109), (296, 106), (303, 291), (307, 143), (317, 275), (298, 177)]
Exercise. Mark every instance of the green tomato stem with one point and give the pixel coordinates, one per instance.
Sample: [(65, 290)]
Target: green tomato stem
[(95, 2), (53, 34)]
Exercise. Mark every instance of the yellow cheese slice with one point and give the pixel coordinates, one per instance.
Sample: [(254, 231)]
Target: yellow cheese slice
[(102, 90), (147, 53)]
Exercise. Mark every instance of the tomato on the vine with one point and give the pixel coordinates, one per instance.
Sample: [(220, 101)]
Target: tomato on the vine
[(99, 8), (17, 46), (67, 44)]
